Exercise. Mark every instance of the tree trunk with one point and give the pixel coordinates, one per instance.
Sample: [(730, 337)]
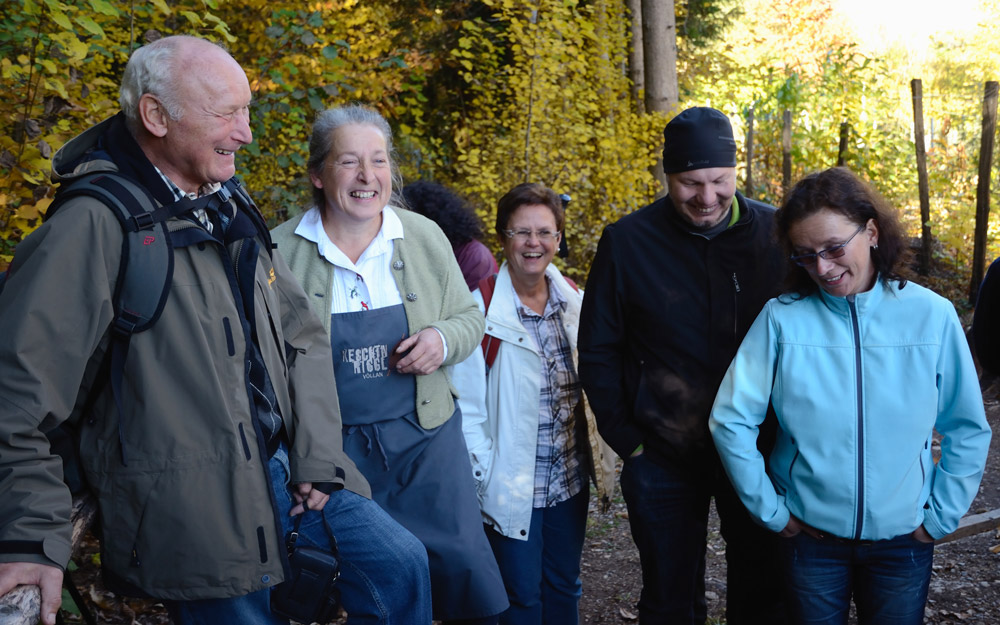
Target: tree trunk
[(635, 57), (659, 42), (748, 189), (990, 97), (917, 87), (786, 153)]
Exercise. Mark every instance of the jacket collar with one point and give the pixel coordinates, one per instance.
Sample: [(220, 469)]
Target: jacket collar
[(109, 146), (503, 315), (863, 302), (675, 219), (132, 161)]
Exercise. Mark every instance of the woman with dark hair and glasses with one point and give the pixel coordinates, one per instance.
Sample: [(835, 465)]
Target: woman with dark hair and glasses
[(531, 435), (860, 367)]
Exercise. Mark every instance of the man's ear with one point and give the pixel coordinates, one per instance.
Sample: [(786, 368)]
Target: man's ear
[(154, 117)]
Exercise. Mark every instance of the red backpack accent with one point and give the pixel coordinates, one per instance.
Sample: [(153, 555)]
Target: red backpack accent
[(491, 344)]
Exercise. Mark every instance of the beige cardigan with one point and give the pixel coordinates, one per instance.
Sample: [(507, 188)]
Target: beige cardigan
[(431, 286)]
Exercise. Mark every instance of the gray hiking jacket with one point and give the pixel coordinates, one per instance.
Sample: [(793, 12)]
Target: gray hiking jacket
[(182, 484)]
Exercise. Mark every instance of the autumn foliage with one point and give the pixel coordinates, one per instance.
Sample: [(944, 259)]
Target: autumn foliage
[(484, 94)]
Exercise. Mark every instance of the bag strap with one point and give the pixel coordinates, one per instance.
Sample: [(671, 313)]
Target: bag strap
[(490, 344), (293, 536)]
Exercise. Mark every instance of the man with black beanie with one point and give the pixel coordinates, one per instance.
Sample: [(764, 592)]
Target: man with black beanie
[(672, 291)]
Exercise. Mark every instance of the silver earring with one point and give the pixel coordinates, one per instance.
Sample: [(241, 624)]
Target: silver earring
[(875, 247)]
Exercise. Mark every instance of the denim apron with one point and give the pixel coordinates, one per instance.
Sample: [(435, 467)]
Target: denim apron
[(422, 478)]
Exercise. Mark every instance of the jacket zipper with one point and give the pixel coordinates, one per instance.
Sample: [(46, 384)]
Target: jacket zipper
[(861, 419), (736, 305)]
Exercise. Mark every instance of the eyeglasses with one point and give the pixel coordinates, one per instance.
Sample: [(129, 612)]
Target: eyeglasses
[(522, 236), (806, 260)]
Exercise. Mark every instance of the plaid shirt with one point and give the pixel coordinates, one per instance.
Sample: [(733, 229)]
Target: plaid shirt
[(199, 213), (559, 462)]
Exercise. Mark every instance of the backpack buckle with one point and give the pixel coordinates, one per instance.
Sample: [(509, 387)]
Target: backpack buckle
[(142, 221)]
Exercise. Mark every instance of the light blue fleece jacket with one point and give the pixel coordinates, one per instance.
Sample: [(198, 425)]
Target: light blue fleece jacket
[(858, 388)]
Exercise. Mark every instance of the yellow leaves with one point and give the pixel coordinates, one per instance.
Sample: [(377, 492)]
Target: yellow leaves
[(193, 18), (71, 45), (103, 7), (61, 19), (32, 212), (535, 115), (89, 25)]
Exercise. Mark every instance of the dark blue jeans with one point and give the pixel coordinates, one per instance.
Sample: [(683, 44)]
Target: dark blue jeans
[(668, 515), (542, 574), (887, 578)]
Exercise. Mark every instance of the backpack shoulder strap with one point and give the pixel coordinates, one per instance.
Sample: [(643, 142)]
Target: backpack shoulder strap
[(146, 268), (147, 256), (490, 344)]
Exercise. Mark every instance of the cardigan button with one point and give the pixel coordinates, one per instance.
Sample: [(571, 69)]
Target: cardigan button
[(411, 297), (398, 264), (425, 402)]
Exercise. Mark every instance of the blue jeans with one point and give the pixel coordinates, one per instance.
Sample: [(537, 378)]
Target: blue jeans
[(887, 578), (383, 571), (668, 516), (542, 574)]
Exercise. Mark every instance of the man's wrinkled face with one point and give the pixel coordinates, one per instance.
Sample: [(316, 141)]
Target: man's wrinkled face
[(200, 147)]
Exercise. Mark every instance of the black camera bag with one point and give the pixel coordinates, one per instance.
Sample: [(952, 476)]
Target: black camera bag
[(310, 593)]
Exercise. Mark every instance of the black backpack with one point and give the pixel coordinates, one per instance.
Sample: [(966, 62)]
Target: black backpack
[(144, 277)]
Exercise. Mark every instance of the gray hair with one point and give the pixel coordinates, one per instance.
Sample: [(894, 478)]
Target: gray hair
[(151, 69), (321, 143)]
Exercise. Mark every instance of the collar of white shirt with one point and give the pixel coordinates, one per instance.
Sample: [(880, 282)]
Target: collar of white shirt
[(311, 228)]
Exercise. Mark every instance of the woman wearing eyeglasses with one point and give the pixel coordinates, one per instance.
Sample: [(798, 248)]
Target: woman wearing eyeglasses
[(531, 436), (861, 367)]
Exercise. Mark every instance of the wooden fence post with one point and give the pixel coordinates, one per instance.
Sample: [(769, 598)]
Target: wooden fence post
[(786, 152), (983, 188), (845, 133), (917, 88), (748, 192)]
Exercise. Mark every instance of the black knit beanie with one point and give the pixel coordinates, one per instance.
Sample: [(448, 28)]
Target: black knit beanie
[(698, 138)]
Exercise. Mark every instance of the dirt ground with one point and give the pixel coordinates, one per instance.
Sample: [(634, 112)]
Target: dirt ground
[(965, 587)]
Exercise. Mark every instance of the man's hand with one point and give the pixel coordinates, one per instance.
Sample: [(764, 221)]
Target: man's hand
[(313, 498), (48, 578), (426, 353)]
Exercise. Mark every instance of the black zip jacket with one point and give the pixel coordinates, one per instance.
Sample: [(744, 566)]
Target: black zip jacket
[(663, 314)]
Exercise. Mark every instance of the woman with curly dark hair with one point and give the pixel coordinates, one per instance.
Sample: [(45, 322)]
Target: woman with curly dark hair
[(860, 372), (460, 225)]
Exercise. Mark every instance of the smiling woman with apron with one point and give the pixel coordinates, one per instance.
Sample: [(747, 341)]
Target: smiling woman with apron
[(399, 314)]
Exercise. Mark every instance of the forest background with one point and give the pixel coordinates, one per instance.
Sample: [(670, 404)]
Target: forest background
[(485, 94)]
